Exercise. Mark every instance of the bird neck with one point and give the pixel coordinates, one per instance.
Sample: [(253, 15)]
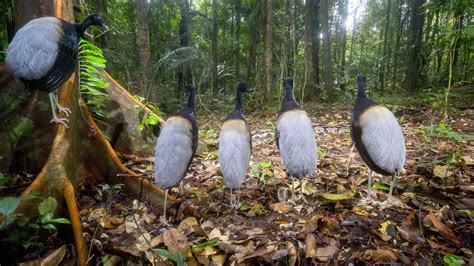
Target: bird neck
[(191, 100), (361, 90), (81, 27), (288, 95), (238, 100)]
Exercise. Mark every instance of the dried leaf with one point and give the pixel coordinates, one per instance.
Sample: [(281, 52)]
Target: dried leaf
[(335, 197), (383, 255), (310, 246), (443, 229), (187, 225), (410, 229), (326, 253), (175, 241), (281, 207), (442, 171)]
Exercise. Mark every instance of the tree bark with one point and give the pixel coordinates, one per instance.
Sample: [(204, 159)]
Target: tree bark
[(308, 45), (316, 41), (385, 57), (327, 73), (416, 35), (268, 45), (185, 75), (237, 39), (143, 46), (215, 78), (342, 71)]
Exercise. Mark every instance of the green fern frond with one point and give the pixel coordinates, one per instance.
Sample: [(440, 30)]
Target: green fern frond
[(92, 79)]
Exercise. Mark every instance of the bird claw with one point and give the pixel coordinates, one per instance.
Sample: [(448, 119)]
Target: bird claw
[(64, 110), (58, 120)]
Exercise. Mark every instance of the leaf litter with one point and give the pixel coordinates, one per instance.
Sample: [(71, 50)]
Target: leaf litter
[(434, 218)]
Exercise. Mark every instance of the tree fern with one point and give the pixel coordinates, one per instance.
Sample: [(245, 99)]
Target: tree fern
[(91, 78)]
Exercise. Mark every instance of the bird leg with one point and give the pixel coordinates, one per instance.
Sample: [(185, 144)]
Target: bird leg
[(181, 187), (292, 200), (164, 206), (65, 110), (302, 194), (238, 198), (56, 119), (368, 198), (388, 201)]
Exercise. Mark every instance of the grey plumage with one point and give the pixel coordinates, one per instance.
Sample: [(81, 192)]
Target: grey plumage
[(383, 138), (234, 152), (33, 51), (173, 152), (297, 143)]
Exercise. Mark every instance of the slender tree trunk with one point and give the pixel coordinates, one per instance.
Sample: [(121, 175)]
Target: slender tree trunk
[(237, 39), (185, 75), (308, 48), (143, 46), (385, 46), (268, 45), (327, 73), (345, 8), (353, 40), (414, 60), (316, 41), (397, 44), (255, 35), (215, 80)]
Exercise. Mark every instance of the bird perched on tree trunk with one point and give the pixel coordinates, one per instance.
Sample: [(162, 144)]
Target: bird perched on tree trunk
[(294, 136), (43, 55), (377, 136), (176, 146), (235, 145)]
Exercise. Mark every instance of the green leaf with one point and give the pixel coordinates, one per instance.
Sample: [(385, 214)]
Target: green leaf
[(343, 196), (8, 205), (50, 227), (4, 179), (381, 186), (60, 221), (47, 217), (265, 164), (47, 206), (211, 243), (245, 208), (176, 257), (453, 260), (105, 261)]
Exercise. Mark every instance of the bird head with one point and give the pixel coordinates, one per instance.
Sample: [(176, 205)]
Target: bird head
[(189, 89), (96, 19), (361, 79), (241, 86), (288, 83)]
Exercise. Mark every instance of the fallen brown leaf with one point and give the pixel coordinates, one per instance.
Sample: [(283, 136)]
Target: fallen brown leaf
[(383, 255), (310, 246), (175, 241), (443, 229)]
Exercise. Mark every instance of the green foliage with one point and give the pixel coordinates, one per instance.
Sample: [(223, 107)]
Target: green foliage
[(211, 243), (4, 179), (92, 79), (106, 261), (149, 119), (177, 257), (262, 170), (29, 230), (444, 130), (453, 260)]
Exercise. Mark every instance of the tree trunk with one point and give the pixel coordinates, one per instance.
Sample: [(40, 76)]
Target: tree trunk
[(342, 71), (416, 35), (385, 57), (308, 47), (255, 34), (268, 45), (397, 44), (215, 80), (237, 39), (185, 75), (327, 73), (143, 47), (316, 41)]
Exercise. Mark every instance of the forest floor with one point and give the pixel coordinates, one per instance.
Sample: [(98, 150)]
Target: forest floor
[(431, 222)]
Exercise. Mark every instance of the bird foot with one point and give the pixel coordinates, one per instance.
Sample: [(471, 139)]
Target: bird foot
[(367, 200), (58, 120), (67, 112)]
